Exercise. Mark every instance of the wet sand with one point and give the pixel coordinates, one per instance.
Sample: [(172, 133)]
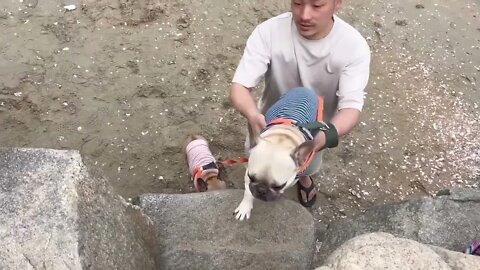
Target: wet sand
[(125, 82)]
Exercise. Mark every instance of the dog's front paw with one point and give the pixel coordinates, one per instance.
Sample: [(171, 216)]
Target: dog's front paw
[(243, 211)]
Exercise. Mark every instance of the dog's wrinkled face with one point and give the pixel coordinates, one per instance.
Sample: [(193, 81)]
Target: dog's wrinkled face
[(271, 169)]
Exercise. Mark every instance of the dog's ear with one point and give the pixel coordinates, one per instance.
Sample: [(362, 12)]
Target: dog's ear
[(201, 185), (256, 141), (259, 139), (300, 154)]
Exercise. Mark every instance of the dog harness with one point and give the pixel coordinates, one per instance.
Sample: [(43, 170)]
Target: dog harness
[(296, 108), (303, 109), (200, 162)]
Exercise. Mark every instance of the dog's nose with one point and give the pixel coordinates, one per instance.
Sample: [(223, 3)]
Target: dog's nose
[(259, 189), (262, 190)]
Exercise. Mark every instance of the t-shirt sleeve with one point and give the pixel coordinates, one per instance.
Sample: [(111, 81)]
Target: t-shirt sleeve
[(255, 60), (353, 81)]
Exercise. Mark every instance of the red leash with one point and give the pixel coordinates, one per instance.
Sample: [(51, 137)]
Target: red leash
[(230, 162)]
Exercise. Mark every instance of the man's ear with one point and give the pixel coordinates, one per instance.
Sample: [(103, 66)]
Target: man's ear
[(338, 4), (300, 154)]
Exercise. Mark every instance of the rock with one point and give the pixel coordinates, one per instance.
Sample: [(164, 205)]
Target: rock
[(461, 194), (401, 22), (198, 231), (384, 251), (449, 221), (457, 260), (55, 215)]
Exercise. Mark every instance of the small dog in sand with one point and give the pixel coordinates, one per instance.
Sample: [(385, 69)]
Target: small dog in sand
[(202, 165)]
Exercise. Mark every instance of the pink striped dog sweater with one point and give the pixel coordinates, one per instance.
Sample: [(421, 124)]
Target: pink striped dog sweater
[(198, 155)]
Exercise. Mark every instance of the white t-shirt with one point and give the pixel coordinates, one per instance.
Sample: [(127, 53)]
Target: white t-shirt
[(336, 67)]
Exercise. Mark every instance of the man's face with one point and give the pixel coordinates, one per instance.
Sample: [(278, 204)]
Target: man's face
[(313, 18)]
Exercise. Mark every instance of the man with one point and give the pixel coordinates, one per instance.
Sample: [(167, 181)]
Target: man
[(308, 47)]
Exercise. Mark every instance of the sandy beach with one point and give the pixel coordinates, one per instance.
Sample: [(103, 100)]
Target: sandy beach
[(124, 82)]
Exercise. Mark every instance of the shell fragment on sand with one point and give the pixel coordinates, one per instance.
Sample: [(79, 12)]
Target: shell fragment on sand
[(70, 7)]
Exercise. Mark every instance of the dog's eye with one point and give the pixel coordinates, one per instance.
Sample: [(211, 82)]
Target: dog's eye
[(252, 178), (279, 187)]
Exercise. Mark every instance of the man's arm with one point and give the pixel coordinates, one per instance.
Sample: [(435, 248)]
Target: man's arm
[(344, 121), (352, 84), (251, 69), (243, 101)]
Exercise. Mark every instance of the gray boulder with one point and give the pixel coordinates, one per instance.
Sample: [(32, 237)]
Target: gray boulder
[(457, 260), (55, 215), (384, 251), (449, 221), (198, 231)]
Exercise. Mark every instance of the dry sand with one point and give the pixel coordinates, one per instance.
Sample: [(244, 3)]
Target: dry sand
[(125, 82)]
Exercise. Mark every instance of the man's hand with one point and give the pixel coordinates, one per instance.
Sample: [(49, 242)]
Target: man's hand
[(344, 121), (244, 103), (257, 122), (319, 141)]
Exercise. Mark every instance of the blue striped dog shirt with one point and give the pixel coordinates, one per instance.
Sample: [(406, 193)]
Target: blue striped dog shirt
[(298, 104)]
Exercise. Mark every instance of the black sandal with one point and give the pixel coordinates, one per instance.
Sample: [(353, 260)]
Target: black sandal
[(306, 190)]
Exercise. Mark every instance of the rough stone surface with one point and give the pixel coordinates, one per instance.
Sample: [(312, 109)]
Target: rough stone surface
[(457, 260), (461, 194), (54, 215), (384, 251), (449, 221), (198, 231)]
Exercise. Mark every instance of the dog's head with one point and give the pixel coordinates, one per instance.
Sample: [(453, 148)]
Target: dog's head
[(211, 183), (273, 167)]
